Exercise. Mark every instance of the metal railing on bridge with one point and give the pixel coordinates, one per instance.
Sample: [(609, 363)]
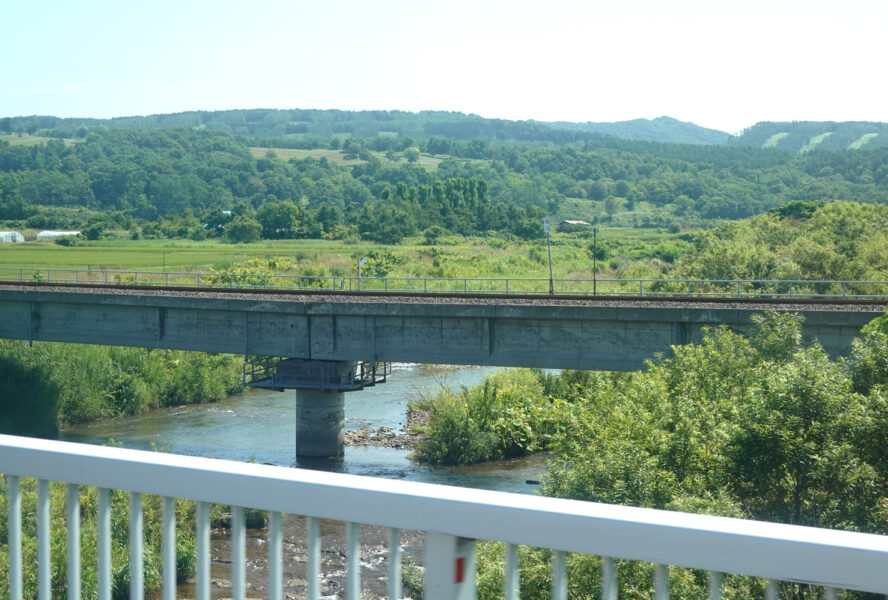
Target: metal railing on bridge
[(736, 288), (450, 517), (281, 374)]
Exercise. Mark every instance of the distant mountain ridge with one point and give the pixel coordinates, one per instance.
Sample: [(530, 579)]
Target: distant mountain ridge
[(325, 124), (662, 129), (799, 137), (316, 127)]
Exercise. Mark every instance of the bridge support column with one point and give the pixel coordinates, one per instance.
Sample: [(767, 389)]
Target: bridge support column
[(320, 424), (320, 415)]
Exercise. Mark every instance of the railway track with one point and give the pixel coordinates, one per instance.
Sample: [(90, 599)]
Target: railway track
[(574, 299)]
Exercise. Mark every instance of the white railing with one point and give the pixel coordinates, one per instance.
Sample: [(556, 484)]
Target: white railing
[(449, 516), (735, 288)]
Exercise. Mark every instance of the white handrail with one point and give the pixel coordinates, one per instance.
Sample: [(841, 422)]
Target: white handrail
[(831, 558)]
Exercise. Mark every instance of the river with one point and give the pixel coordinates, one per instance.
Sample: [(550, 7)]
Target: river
[(259, 425)]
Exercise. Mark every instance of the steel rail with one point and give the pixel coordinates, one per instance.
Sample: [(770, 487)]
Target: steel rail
[(650, 298)]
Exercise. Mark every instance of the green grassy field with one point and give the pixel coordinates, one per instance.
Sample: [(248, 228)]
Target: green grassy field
[(459, 257), (774, 139), (26, 140), (862, 141), (814, 142), (426, 161)]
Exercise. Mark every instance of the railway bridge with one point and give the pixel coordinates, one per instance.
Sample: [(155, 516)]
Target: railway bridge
[(333, 331)]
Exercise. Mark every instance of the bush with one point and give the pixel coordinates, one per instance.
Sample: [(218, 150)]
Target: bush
[(506, 416), (243, 229), (68, 240)]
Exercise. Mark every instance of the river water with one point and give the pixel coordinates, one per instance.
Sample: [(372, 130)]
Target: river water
[(259, 426)]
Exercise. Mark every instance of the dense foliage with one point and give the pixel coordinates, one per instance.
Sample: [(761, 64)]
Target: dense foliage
[(756, 427), (192, 183), (308, 128), (52, 384), (836, 241)]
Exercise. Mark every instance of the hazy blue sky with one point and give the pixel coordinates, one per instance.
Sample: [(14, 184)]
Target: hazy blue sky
[(721, 64)]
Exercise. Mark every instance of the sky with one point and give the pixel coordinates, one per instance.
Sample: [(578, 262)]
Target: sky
[(723, 64)]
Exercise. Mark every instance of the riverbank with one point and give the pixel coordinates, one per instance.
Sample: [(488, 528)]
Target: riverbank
[(406, 438), (49, 387)]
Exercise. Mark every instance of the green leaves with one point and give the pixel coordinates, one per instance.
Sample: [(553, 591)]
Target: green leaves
[(506, 416), (70, 383)]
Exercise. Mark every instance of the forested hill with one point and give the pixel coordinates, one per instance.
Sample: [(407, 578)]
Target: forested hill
[(800, 137), (661, 129), (313, 128), (182, 179)]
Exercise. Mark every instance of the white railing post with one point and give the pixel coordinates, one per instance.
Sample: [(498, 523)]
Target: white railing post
[(353, 556), (202, 527), (275, 557), (14, 518), (559, 576), (72, 506), (394, 564), (44, 578), (103, 530), (608, 578), (512, 573), (169, 548), (449, 567), (238, 553), (313, 558), (136, 565), (715, 585), (661, 583)]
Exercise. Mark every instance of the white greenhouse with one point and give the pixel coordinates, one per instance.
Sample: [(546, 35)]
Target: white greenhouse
[(11, 237), (51, 235)]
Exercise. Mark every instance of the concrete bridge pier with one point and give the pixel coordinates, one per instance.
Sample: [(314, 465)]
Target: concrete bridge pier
[(320, 410), (320, 423)]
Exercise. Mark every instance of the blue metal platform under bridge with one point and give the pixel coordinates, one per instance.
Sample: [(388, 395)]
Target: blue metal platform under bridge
[(322, 375)]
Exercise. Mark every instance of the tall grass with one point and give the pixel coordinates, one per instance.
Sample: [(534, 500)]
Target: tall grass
[(51, 385), (185, 545)]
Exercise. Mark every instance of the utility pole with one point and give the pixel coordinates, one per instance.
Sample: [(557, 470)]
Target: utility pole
[(360, 264), (549, 246), (595, 261)]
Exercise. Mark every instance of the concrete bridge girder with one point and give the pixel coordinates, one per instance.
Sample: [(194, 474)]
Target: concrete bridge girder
[(579, 337), (619, 338)]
